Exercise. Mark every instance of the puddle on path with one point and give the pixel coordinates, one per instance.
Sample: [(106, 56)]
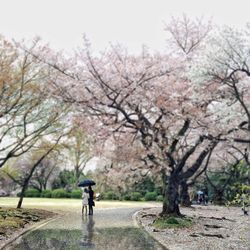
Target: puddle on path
[(88, 237)]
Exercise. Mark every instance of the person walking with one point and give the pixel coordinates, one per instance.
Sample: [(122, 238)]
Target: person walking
[(244, 202), (91, 200), (85, 200)]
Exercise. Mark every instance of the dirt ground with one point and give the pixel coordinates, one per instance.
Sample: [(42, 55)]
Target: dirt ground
[(215, 228)]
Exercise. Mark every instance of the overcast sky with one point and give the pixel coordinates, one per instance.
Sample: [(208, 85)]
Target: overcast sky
[(62, 23)]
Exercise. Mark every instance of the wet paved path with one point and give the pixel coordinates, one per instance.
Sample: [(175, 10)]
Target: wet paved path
[(111, 229)]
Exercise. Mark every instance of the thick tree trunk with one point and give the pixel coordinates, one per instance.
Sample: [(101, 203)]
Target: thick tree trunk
[(171, 197), (45, 185), (184, 195)]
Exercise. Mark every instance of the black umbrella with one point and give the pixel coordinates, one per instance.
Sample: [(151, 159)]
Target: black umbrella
[(86, 183)]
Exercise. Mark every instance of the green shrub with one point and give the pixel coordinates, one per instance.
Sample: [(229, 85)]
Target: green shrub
[(145, 185), (46, 193), (127, 197), (76, 193), (150, 196), (135, 196), (110, 196), (59, 193), (31, 192), (159, 198)]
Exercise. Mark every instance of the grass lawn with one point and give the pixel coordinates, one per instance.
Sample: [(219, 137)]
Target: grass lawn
[(173, 222), (69, 204)]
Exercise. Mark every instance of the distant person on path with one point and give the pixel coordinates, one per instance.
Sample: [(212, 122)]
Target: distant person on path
[(200, 197), (85, 200), (244, 202), (91, 200)]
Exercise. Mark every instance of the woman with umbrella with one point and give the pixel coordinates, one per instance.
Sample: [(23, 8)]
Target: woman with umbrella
[(91, 203)]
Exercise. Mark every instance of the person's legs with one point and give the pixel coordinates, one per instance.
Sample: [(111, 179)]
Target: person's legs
[(90, 210)]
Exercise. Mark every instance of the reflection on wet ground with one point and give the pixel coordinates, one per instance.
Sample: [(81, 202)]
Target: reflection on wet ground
[(87, 231), (90, 232)]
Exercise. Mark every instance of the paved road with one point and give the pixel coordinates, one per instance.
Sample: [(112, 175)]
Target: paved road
[(111, 229)]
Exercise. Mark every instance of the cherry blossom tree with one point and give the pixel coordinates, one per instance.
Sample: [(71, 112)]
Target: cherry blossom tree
[(147, 101), (188, 35), (28, 113), (224, 67), (219, 64)]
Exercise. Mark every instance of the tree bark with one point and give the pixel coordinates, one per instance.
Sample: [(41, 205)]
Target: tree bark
[(24, 187), (171, 197), (184, 195), (77, 174)]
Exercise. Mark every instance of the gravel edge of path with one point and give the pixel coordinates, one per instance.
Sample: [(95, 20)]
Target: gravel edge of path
[(146, 227), (232, 230)]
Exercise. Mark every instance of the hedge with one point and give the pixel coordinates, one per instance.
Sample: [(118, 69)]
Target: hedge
[(110, 196), (31, 192), (150, 196), (59, 193), (76, 193), (135, 196), (46, 194), (127, 197)]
